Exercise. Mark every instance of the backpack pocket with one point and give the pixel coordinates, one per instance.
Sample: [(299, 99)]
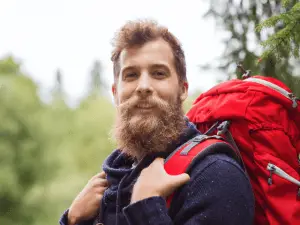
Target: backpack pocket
[(280, 189)]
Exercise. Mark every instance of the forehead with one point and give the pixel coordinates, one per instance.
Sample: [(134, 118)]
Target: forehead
[(153, 52)]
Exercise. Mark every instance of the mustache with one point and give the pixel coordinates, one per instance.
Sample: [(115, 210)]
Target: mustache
[(136, 101)]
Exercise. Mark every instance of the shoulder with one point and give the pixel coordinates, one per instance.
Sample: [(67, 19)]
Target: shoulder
[(222, 169), (218, 177), (216, 163), (218, 189)]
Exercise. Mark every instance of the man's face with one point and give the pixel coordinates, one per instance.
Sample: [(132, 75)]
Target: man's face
[(147, 78), (149, 99)]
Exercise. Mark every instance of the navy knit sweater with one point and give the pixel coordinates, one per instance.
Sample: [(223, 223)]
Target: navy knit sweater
[(219, 192)]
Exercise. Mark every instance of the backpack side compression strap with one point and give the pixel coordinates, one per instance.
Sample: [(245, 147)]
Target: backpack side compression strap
[(184, 157)]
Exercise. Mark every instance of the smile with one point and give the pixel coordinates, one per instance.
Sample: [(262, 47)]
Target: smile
[(144, 106)]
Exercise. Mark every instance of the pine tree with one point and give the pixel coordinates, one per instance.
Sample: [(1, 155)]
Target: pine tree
[(96, 85), (240, 19), (288, 37), (58, 90), (58, 83)]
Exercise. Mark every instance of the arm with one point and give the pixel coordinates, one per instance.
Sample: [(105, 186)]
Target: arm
[(64, 220), (218, 193)]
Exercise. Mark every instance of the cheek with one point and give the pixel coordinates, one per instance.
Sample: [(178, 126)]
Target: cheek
[(124, 92), (168, 93)]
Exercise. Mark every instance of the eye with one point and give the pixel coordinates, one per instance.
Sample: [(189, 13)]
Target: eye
[(159, 73), (130, 75)]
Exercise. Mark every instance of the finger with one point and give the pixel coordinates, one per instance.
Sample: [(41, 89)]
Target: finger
[(158, 161), (100, 182), (98, 198), (102, 174), (100, 190), (180, 180), (99, 175)]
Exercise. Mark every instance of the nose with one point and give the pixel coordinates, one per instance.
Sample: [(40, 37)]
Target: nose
[(144, 87)]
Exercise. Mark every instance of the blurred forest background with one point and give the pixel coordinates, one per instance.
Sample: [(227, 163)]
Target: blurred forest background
[(49, 150)]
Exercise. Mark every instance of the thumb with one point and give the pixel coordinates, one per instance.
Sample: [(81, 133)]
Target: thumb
[(179, 180)]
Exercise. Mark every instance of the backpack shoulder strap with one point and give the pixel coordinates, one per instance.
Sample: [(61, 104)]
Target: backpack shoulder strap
[(191, 152)]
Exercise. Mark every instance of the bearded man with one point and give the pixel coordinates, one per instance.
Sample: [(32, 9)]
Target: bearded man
[(150, 85)]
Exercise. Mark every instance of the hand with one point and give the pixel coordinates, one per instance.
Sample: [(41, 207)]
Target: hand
[(87, 203), (154, 181)]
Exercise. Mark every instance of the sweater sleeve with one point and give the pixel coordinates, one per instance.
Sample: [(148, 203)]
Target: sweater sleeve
[(218, 193), (64, 220)]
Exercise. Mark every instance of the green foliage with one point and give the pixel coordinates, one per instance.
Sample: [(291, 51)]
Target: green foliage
[(23, 163), (8, 66), (47, 151), (285, 3), (280, 35), (92, 127), (190, 100), (288, 37)]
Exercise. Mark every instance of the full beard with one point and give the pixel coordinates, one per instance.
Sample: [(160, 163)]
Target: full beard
[(140, 135)]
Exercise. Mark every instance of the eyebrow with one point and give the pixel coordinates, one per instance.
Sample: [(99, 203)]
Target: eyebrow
[(163, 66), (156, 65), (160, 65), (129, 68)]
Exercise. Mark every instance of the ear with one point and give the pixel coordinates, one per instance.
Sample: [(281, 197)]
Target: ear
[(184, 90), (114, 92)]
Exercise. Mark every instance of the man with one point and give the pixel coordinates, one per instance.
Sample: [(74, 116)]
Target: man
[(149, 88)]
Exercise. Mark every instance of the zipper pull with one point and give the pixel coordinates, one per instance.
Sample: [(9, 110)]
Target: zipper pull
[(223, 127), (294, 100), (270, 181), (272, 169)]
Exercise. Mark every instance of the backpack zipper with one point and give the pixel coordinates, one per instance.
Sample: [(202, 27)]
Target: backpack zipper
[(276, 170), (275, 87), (281, 173)]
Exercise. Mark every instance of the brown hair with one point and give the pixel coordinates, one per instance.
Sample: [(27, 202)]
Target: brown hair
[(135, 33)]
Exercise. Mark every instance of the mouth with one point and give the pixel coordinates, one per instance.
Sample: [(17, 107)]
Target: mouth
[(144, 107)]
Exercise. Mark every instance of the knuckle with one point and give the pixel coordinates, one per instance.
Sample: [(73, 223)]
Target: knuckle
[(93, 178), (144, 171), (94, 184), (100, 190), (98, 181), (99, 197)]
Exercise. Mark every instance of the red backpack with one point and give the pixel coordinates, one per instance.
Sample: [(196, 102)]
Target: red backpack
[(256, 119)]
